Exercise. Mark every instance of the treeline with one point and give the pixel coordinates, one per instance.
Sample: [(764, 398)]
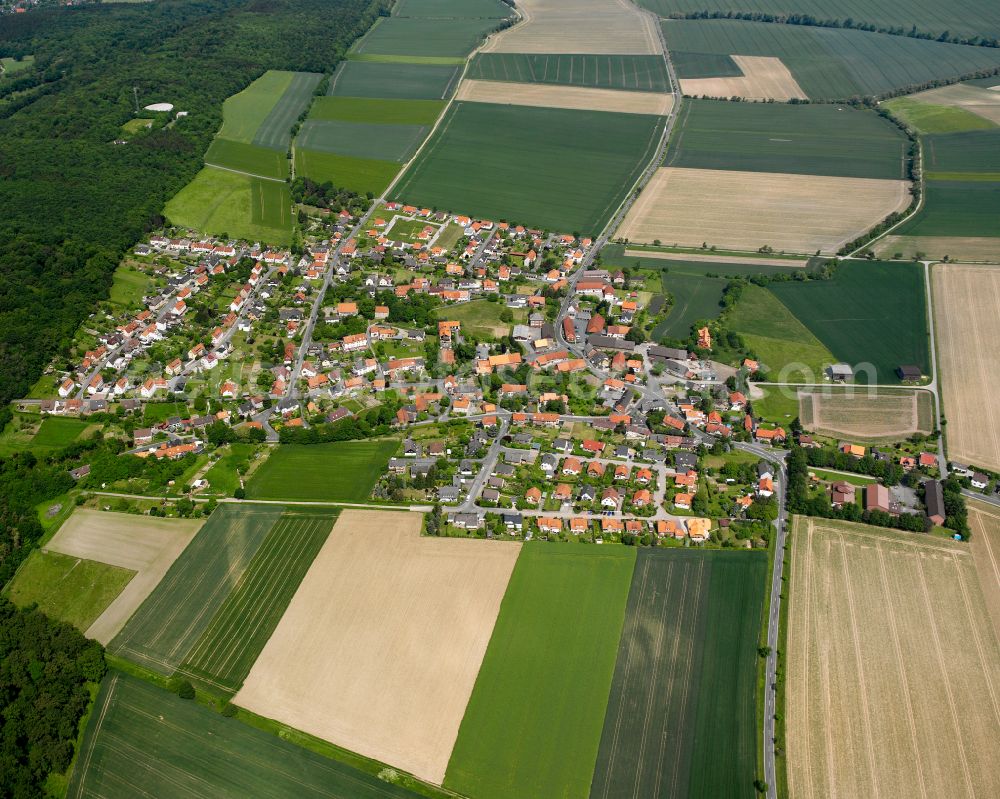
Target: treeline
[(71, 201), (848, 23), (373, 424), (45, 666)]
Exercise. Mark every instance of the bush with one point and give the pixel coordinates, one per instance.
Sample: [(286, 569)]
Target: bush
[(181, 687)]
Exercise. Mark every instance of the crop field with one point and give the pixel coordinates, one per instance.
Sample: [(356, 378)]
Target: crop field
[(380, 647), (876, 417), (343, 471), (645, 73), (227, 649), (380, 110), (984, 520), (249, 158), (976, 100), (869, 313), (784, 346), (361, 140), (180, 608), (959, 17), (760, 78), (355, 174), (67, 588), (221, 202), (976, 152), (275, 129), (960, 248), (245, 112), (56, 432), (925, 117), (801, 139), (394, 80), (578, 26), (827, 63), (523, 158), (415, 36), (693, 620), (696, 297), (967, 322), (532, 693), (547, 95), (894, 627), (486, 9), (142, 740), (958, 209), (747, 210)]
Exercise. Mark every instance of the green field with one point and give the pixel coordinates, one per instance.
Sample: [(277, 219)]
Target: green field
[(480, 318), (775, 137), (129, 286), (533, 724), (221, 202), (695, 297), (340, 472), (361, 140), (248, 158), (777, 338), (172, 619), (452, 8), (414, 36), (56, 432), (869, 313), (827, 63), (549, 167), (223, 477), (11, 66), (156, 412), (380, 110), (142, 740), (228, 648), (957, 17), (956, 208), (394, 81), (636, 72), (245, 112), (681, 719), (704, 65), (974, 151), (275, 129), (355, 174), (67, 588), (925, 118)]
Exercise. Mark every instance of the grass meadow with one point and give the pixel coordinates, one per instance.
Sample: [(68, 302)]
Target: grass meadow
[(693, 620), (559, 169), (249, 158), (695, 297), (343, 471), (798, 139), (56, 432), (926, 118), (481, 318), (142, 739), (223, 478), (355, 174), (129, 286), (394, 80), (633, 72), (533, 724)]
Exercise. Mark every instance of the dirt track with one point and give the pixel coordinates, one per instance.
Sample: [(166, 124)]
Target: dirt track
[(381, 645), (550, 96), (764, 78)]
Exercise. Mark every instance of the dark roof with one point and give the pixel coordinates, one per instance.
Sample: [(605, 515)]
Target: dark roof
[(934, 498)]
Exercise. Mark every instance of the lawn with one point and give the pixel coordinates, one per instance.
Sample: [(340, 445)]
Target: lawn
[(634, 72), (696, 298), (827, 63), (413, 36), (354, 174), (869, 313), (156, 412), (778, 405), (524, 160), (339, 472), (681, 718), (249, 158), (807, 139), (67, 588), (56, 432), (392, 80), (785, 347), (143, 739), (379, 110), (229, 204), (169, 623), (481, 318), (362, 140), (228, 648), (925, 117), (533, 724), (129, 286)]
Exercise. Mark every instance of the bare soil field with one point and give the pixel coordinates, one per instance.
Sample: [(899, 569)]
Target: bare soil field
[(579, 26), (717, 259), (876, 417), (763, 78), (964, 248), (967, 321), (552, 96), (381, 645), (975, 99), (143, 544), (893, 682), (746, 210), (984, 519)]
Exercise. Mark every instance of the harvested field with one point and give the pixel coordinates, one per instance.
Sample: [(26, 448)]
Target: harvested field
[(893, 685), (763, 78), (963, 248), (380, 647), (967, 321), (552, 96), (984, 519), (975, 99), (142, 544), (877, 417), (746, 210), (578, 26), (717, 259)]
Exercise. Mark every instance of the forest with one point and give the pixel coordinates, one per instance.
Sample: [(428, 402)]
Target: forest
[(72, 200)]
